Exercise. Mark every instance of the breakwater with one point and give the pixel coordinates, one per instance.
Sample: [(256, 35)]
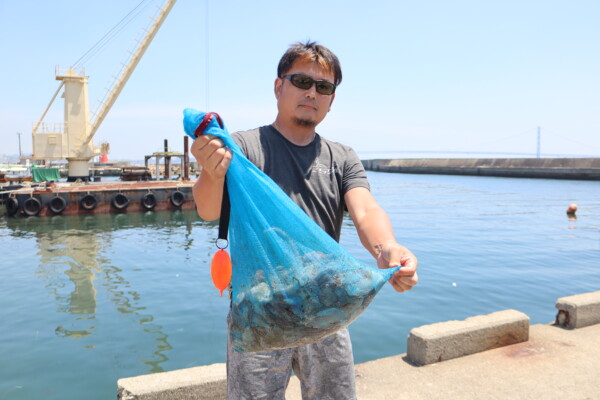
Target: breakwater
[(548, 168)]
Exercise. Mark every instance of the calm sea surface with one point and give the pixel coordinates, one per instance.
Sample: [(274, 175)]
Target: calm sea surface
[(85, 300)]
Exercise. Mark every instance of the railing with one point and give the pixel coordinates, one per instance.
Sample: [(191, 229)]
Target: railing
[(72, 71), (50, 127)]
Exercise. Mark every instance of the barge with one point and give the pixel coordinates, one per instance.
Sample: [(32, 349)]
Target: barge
[(67, 198)]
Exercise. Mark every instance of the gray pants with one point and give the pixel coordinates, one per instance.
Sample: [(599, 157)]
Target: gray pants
[(325, 370)]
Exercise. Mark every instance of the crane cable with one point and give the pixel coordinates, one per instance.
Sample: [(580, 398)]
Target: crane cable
[(111, 34)]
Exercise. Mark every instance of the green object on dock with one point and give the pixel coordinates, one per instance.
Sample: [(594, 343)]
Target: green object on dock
[(45, 174)]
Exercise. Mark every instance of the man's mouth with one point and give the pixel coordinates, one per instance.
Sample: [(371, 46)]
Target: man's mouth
[(308, 106)]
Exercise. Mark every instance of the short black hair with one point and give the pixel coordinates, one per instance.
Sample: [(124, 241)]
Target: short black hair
[(310, 51)]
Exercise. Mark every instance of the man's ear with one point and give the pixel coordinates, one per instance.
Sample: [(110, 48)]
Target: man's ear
[(277, 87)]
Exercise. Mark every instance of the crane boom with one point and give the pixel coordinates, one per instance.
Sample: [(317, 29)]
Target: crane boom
[(122, 80), (37, 125)]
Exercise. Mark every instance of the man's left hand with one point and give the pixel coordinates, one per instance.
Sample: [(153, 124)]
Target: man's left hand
[(392, 255)]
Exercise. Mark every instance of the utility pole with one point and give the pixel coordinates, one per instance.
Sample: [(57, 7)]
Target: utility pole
[(539, 142), (20, 154)]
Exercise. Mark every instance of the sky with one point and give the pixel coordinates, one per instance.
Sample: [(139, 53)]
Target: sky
[(435, 76)]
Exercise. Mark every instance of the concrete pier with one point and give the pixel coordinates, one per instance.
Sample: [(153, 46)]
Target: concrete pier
[(447, 340), (205, 382), (551, 363), (548, 168), (578, 311)]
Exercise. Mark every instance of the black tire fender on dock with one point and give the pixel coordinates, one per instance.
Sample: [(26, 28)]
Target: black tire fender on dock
[(88, 202), (148, 201), (177, 198), (120, 201), (32, 206), (12, 205), (57, 205)]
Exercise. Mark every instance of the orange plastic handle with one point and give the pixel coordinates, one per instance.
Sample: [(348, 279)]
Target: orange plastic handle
[(220, 269)]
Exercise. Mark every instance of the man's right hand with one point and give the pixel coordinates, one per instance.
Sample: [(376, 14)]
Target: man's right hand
[(210, 152), (214, 157)]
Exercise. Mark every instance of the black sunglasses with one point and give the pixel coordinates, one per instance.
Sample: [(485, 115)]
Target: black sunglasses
[(305, 82)]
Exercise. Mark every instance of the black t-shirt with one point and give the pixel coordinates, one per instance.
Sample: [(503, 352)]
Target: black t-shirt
[(315, 176)]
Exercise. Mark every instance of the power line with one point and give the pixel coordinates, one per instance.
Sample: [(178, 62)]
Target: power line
[(207, 55)]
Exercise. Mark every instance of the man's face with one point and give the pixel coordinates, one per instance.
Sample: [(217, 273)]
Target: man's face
[(306, 108)]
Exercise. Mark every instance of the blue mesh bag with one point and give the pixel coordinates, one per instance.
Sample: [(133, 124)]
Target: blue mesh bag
[(292, 284)]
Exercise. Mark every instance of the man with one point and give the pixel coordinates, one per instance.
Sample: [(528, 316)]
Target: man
[(324, 178)]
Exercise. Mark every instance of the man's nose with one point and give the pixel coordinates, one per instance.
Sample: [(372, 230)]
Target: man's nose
[(311, 92)]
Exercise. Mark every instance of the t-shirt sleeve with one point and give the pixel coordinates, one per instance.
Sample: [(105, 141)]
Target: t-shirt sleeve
[(354, 172), (239, 140)]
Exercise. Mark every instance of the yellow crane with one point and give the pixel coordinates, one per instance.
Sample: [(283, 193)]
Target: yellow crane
[(72, 139)]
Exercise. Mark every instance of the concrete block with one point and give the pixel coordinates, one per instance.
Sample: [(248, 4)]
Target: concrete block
[(446, 340), (199, 383), (579, 310)]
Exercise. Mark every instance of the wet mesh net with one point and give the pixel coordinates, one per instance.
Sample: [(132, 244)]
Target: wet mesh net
[(292, 284)]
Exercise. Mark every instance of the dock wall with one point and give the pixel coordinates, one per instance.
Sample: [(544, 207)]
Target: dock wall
[(548, 168), (427, 345)]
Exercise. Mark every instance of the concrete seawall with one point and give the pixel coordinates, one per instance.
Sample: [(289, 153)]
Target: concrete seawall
[(494, 356), (548, 168)]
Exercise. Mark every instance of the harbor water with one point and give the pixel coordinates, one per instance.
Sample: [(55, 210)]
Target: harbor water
[(85, 300)]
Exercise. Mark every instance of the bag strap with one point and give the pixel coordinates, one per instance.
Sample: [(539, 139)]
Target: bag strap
[(224, 218), (208, 117)]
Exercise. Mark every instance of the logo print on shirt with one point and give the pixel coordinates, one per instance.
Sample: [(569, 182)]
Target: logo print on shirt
[(323, 169)]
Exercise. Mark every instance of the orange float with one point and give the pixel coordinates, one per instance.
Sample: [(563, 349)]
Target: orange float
[(220, 269)]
